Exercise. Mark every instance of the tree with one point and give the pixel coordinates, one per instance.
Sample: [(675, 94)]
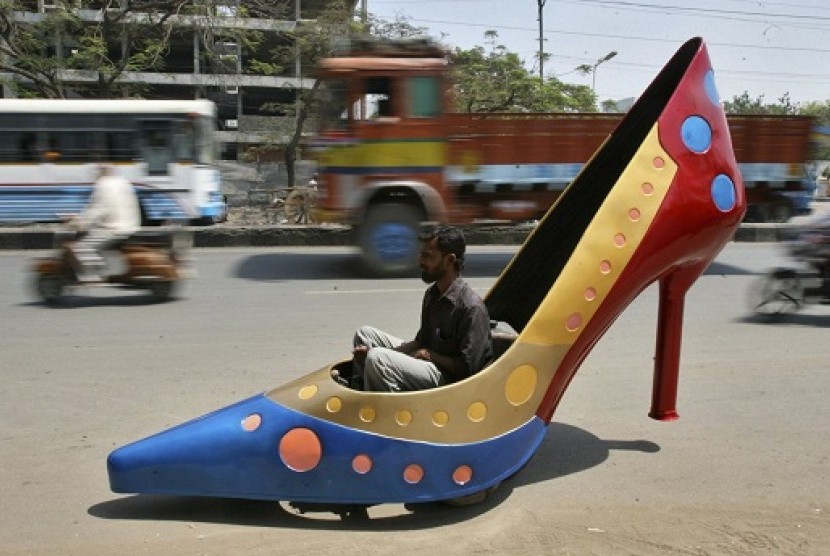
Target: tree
[(333, 28), (84, 47), (496, 80), (41, 51), (744, 104)]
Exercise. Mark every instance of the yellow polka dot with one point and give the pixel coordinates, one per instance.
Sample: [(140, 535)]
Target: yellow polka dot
[(367, 414), (308, 392), (440, 418), (476, 412), (520, 384), (334, 404), (403, 417)]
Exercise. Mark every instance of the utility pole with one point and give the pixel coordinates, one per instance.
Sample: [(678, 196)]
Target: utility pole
[(540, 5)]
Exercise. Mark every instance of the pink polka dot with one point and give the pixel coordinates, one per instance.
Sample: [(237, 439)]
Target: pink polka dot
[(573, 322), (605, 267), (590, 294), (648, 189), (251, 422), (658, 162), (634, 215), (619, 240)]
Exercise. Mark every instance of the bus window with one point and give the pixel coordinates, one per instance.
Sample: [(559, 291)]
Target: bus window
[(424, 97), (120, 146), (69, 146), (184, 141), (155, 146), (18, 146)]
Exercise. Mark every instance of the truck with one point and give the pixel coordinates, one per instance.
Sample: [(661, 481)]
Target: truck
[(391, 154)]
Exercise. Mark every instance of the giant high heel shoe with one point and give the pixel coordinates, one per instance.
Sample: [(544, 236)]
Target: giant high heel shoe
[(657, 202)]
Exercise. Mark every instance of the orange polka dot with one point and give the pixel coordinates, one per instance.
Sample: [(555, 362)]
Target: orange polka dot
[(462, 475), (300, 450), (362, 464), (413, 473)]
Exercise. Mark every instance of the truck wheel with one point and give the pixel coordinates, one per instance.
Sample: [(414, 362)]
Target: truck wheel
[(388, 239), (781, 213)]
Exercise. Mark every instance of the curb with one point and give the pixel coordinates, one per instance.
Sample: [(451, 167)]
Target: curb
[(327, 236)]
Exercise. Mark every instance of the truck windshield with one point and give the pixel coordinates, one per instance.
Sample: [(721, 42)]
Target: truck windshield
[(334, 113)]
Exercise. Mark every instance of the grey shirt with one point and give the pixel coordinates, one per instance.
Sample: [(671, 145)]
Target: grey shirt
[(457, 325)]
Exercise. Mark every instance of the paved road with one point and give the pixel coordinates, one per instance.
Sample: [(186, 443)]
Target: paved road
[(744, 471)]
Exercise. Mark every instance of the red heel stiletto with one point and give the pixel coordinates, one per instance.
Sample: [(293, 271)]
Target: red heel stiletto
[(657, 202)]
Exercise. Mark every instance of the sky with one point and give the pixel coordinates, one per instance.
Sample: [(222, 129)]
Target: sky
[(763, 48)]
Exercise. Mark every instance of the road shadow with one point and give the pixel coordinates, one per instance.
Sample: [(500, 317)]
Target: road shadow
[(565, 450), (722, 269), (80, 301), (279, 267), (788, 319)]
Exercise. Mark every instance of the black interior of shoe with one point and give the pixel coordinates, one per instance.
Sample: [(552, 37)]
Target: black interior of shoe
[(534, 269)]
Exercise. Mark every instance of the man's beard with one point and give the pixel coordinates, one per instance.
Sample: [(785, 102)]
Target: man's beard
[(432, 277)]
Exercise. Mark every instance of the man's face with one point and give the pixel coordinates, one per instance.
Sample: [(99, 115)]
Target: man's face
[(433, 263)]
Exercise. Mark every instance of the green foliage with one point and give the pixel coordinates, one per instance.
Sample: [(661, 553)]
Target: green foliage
[(819, 110), (496, 80), (398, 28), (744, 104)]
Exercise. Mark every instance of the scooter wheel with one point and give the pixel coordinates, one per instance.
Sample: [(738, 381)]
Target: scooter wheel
[(50, 288), (776, 293), (162, 290)]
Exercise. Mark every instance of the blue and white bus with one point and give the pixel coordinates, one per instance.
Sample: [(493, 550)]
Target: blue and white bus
[(50, 151)]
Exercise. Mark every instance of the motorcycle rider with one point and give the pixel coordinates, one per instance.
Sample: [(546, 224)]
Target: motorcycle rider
[(112, 214)]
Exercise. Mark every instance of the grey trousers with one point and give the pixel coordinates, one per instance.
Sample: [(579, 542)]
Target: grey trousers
[(90, 247), (387, 370)]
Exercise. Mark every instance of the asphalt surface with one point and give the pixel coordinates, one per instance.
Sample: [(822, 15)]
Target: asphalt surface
[(227, 235), (743, 472)]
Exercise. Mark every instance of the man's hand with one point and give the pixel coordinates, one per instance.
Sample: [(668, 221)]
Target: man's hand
[(422, 354)]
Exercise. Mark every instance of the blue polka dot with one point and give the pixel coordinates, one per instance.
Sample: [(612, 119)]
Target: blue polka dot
[(697, 135), (723, 193), (711, 88)]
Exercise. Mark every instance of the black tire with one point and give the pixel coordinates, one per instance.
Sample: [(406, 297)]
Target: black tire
[(163, 291), (472, 499), (776, 293), (50, 287), (388, 240)]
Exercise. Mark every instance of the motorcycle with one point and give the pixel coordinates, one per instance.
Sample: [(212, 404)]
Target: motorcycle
[(788, 289), (150, 260)]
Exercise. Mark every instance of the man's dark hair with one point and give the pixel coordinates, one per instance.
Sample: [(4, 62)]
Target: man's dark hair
[(448, 239)]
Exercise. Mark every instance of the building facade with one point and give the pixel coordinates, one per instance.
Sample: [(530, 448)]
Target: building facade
[(221, 50)]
